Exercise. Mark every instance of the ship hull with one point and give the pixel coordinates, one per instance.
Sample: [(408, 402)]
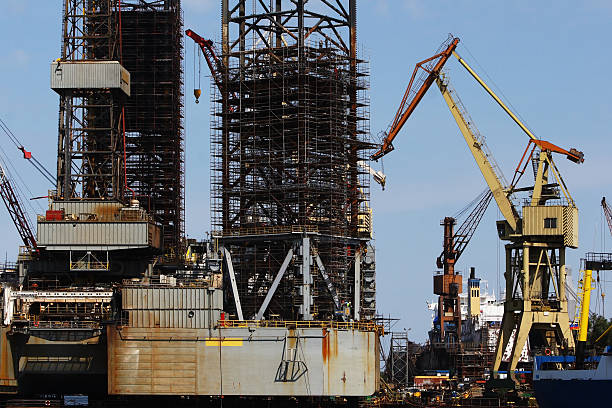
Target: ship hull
[(570, 393)]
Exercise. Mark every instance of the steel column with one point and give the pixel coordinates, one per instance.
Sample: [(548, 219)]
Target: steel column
[(306, 279), (357, 287)]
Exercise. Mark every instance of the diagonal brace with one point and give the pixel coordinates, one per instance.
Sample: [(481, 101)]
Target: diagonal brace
[(328, 282), (275, 284), (230, 269)]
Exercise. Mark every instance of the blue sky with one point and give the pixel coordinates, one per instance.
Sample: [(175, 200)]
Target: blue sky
[(549, 58)]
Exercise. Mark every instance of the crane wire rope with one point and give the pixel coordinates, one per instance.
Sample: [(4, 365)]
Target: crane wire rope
[(37, 164), (498, 89), (19, 185), (471, 204)]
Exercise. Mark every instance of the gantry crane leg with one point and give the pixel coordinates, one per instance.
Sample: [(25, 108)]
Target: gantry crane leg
[(533, 269)]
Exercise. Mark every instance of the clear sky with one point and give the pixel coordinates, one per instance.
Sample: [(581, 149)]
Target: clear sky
[(549, 58)]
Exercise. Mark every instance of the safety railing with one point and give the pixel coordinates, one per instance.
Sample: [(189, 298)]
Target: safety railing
[(266, 230), (89, 266), (303, 324), (121, 215), (201, 281), (34, 324)]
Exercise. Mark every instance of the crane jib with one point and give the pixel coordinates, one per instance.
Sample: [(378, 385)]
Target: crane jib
[(415, 92)]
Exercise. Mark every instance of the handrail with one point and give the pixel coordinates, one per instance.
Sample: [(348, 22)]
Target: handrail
[(304, 324), (267, 230)]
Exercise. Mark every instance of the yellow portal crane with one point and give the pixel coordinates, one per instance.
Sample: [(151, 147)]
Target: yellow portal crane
[(539, 231), (535, 257)]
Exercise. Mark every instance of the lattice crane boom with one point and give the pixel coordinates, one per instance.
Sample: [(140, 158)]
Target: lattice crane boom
[(417, 88), (14, 207), (217, 69)]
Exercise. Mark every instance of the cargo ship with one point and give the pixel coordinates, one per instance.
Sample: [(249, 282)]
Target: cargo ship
[(569, 387), (581, 379)]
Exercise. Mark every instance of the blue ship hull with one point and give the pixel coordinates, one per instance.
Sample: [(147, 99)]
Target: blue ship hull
[(572, 393)]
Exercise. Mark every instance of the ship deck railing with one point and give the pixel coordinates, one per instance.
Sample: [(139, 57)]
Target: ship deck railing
[(303, 324)]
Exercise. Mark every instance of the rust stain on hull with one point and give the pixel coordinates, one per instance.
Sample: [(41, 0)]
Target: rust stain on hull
[(7, 372), (325, 345)]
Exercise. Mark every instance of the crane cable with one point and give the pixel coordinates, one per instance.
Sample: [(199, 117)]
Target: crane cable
[(472, 204), (497, 88), (27, 155), (18, 184)]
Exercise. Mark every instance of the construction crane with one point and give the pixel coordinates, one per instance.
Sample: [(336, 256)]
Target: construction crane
[(216, 66), (15, 209), (582, 318), (538, 234), (448, 286), (427, 70)]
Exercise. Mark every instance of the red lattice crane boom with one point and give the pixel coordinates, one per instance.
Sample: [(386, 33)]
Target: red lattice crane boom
[(417, 88), (214, 62), (13, 205), (456, 242)]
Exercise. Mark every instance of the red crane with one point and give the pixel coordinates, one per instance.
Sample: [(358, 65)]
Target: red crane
[(216, 66), (448, 286), (13, 205), (417, 88)]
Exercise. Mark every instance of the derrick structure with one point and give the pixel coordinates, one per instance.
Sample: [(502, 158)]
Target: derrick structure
[(152, 45), (89, 160), (112, 146), (289, 202)]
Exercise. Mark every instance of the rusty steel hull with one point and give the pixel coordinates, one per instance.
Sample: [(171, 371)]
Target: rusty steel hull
[(242, 361), (8, 382)]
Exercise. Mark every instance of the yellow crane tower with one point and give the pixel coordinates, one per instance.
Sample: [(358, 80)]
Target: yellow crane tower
[(538, 230), (535, 304)]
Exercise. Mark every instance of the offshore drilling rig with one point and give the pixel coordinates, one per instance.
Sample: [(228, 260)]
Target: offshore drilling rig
[(110, 298)]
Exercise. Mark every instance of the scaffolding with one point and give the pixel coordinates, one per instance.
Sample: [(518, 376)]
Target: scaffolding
[(400, 366), (287, 132), (116, 147), (474, 361), (152, 44)]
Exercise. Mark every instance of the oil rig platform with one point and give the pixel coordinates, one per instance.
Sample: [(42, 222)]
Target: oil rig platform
[(109, 299)]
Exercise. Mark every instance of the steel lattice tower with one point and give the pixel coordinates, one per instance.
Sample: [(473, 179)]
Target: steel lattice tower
[(89, 160), (114, 146), (289, 201)]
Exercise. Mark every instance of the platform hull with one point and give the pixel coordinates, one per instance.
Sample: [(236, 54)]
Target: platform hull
[(242, 361)]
